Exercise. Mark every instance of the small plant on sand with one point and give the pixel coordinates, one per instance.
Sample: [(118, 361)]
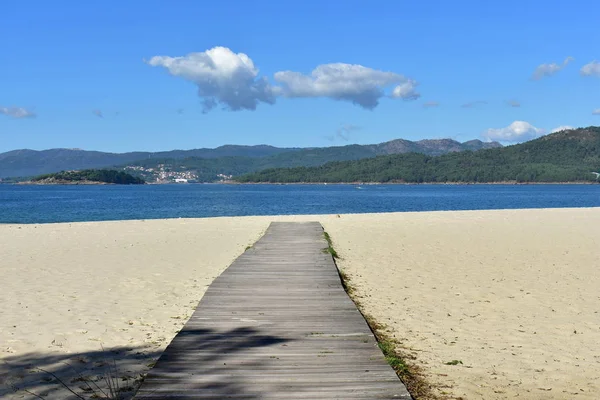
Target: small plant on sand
[(410, 374), (330, 248), (112, 391), (453, 362), (389, 351)]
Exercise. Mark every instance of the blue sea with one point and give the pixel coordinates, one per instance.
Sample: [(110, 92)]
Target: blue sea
[(57, 203)]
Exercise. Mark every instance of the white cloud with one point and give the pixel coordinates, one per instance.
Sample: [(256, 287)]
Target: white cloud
[(591, 69), (406, 91), (222, 76), (17, 112), (544, 70), (518, 131), (561, 128), (596, 111), (360, 85), (430, 104)]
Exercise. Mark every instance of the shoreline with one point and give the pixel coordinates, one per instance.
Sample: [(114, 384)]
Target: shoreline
[(507, 183), (284, 216), (68, 183)]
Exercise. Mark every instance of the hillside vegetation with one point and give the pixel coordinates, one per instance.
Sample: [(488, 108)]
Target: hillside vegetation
[(567, 156), (208, 163), (89, 176), (32, 162), (207, 170)]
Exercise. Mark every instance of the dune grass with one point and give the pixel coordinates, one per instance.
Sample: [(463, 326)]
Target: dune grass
[(330, 248)]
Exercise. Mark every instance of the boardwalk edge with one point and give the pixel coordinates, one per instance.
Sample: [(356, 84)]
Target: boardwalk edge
[(395, 354)]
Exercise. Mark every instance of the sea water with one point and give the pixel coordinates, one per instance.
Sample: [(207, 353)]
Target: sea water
[(70, 203)]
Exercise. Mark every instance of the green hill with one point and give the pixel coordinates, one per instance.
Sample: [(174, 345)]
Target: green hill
[(207, 164), (566, 156), (89, 176), (208, 170), (33, 162)]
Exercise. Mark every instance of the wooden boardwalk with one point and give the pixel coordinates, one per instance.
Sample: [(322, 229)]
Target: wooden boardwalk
[(277, 324)]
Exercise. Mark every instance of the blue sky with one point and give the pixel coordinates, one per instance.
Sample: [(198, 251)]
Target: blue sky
[(159, 75)]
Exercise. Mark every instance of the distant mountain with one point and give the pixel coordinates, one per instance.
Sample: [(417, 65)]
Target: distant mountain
[(432, 147), (31, 162), (228, 150), (566, 156), (223, 168), (228, 159), (322, 155)]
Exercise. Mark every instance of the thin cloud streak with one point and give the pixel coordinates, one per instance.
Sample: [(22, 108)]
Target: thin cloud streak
[(474, 104), (344, 131), (591, 69), (546, 70), (17, 112)]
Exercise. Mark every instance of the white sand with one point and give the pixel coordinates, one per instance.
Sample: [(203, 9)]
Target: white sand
[(513, 295), (68, 290)]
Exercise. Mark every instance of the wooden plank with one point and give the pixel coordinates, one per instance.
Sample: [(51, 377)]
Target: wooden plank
[(277, 324)]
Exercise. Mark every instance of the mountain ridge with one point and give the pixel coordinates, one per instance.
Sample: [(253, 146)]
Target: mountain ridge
[(565, 156), (27, 162)]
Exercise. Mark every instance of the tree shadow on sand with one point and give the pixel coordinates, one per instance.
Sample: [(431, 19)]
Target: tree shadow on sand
[(86, 373), (197, 352), (200, 361)]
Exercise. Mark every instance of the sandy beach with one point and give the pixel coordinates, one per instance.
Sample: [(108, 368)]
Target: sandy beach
[(73, 293), (511, 295)]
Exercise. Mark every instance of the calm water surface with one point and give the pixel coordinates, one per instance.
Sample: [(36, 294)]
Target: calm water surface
[(57, 203)]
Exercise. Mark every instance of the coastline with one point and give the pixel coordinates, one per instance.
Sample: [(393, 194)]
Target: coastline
[(479, 287), (515, 183), (42, 183)]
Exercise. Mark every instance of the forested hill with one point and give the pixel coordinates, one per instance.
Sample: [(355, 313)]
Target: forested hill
[(89, 176), (33, 162), (566, 156), (210, 170), (206, 164)]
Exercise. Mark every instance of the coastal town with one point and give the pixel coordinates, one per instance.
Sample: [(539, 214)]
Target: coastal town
[(164, 174)]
